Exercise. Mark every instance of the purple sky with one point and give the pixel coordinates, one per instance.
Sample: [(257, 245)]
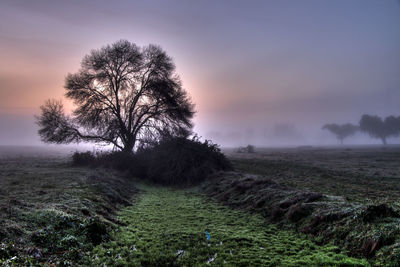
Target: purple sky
[(253, 68)]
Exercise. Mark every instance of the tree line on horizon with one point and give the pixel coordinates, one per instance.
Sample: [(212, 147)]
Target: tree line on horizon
[(374, 126)]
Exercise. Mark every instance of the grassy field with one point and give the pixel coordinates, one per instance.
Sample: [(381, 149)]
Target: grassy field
[(362, 174), (345, 195), (54, 212), (167, 227)]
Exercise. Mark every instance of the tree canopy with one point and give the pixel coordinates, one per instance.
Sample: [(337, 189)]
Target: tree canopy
[(341, 131), (124, 95), (380, 128)]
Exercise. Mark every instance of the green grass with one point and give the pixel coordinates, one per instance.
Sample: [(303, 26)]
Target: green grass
[(166, 227), (56, 208), (340, 180)]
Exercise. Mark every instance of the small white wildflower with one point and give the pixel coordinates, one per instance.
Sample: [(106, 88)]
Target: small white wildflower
[(180, 253), (212, 259)]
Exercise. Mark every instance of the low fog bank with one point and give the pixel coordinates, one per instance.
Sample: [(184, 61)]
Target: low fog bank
[(58, 151), (288, 135), (18, 129), (19, 137), (21, 130)]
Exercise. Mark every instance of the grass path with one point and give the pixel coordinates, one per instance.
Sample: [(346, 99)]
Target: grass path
[(167, 227)]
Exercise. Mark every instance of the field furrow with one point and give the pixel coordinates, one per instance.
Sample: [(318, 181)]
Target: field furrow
[(170, 227)]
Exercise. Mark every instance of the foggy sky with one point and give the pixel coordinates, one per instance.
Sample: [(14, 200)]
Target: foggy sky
[(251, 67)]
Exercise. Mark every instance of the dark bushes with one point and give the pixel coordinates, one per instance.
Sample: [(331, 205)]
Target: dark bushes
[(171, 161), (114, 160), (247, 149), (83, 158), (178, 160), (373, 212), (122, 161)]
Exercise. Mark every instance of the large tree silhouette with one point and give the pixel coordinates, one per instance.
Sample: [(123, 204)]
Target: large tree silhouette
[(124, 95), (376, 127), (341, 131)]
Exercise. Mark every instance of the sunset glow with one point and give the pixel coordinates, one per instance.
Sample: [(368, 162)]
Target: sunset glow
[(246, 66)]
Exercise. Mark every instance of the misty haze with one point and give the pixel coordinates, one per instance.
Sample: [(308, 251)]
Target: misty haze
[(197, 133)]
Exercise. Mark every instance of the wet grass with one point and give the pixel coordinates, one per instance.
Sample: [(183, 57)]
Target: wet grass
[(51, 211), (360, 174), (167, 227), (360, 208)]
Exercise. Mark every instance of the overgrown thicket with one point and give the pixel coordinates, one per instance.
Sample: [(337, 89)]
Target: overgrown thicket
[(118, 160), (178, 160), (170, 161)]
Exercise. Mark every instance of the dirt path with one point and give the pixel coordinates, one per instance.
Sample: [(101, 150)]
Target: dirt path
[(169, 227)]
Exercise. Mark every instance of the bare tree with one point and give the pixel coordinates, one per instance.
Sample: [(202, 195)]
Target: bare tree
[(124, 95), (376, 127), (341, 131)]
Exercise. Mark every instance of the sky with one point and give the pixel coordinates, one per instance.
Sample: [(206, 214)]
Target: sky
[(260, 72)]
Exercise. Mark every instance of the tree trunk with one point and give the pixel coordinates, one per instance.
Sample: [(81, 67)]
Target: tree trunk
[(129, 145), (128, 148), (384, 140)]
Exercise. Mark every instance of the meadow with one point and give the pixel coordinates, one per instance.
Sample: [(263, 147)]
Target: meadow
[(257, 215), (51, 211), (358, 173)]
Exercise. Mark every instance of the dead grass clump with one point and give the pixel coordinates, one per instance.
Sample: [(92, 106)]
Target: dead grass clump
[(373, 212), (299, 211)]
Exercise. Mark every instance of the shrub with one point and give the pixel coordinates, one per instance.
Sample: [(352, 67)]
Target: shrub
[(250, 149), (121, 161), (179, 160), (83, 158), (247, 149), (114, 160), (172, 160)]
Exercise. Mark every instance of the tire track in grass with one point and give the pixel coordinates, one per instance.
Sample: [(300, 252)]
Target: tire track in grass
[(167, 227)]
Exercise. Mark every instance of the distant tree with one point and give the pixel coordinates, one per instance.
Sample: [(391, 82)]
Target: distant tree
[(250, 149), (246, 149), (376, 127), (123, 95), (341, 131)]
